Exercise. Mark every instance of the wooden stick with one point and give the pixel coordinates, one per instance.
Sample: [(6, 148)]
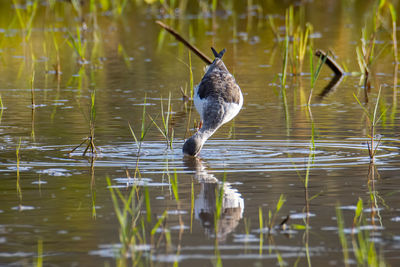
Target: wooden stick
[(186, 43), (332, 64)]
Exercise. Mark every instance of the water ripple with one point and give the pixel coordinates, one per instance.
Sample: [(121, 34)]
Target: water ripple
[(220, 155)]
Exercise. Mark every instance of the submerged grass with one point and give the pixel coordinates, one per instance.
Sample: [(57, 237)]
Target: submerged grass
[(1, 108), (342, 236), (314, 73), (296, 40), (26, 16), (39, 260), (136, 228), (127, 59), (363, 246), (128, 216), (372, 119), (367, 51), (284, 77), (139, 141), (219, 201), (19, 191), (78, 44), (174, 185), (148, 205), (90, 139), (273, 214), (394, 31), (32, 83), (191, 206), (191, 80), (294, 49), (261, 227), (166, 130)]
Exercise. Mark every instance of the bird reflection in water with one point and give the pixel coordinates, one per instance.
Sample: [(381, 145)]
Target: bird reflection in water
[(205, 202)]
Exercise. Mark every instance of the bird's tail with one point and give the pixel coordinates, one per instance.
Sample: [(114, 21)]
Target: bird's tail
[(220, 54)]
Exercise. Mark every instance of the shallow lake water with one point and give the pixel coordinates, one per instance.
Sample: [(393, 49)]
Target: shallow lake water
[(57, 207)]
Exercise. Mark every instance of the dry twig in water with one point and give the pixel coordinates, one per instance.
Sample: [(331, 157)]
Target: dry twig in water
[(186, 43)]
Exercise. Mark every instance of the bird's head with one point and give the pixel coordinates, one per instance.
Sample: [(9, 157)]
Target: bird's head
[(193, 146)]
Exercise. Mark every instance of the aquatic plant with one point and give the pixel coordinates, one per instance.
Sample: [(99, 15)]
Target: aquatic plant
[(273, 28), (364, 248), (78, 44), (128, 216), (26, 16), (158, 224), (93, 194), (127, 59), (166, 131), (272, 215), (372, 119), (283, 78), (17, 152), (394, 31), (92, 119), (32, 84), (39, 259), (315, 73), (90, 139), (132, 226), (174, 185), (342, 235), (191, 206), (1, 108), (296, 40), (364, 58), (191, 84), (367, 53), (311, 154), (260, 227), (33, 105), (77, 5), (394, 94), (148, 205), (219, 201), (143, 131), (118, 6)]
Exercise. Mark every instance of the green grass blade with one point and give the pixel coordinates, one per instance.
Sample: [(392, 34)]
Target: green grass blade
[(143, 119), (342, 236), (158, 127), (174, 185), (158, 223), (281, 201), (191, 76), (362, 106), (359, 210), (376, 106), (134, 135), (39, 260), (147, 201)]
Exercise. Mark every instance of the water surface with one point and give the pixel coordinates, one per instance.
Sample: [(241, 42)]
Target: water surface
[(65, 201)]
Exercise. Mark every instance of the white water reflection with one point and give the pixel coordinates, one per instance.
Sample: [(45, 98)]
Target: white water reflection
[(205, 204)]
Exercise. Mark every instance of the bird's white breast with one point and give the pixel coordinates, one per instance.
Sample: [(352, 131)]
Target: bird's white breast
[(198, 102), (232, 109)]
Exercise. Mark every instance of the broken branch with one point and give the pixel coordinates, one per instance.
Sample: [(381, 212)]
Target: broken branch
[(186, 43)]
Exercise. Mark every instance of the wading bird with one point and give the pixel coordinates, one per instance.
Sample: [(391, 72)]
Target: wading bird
[(218, 99)]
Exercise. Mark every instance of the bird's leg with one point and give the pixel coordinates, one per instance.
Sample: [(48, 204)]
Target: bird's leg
[(198, 125)]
